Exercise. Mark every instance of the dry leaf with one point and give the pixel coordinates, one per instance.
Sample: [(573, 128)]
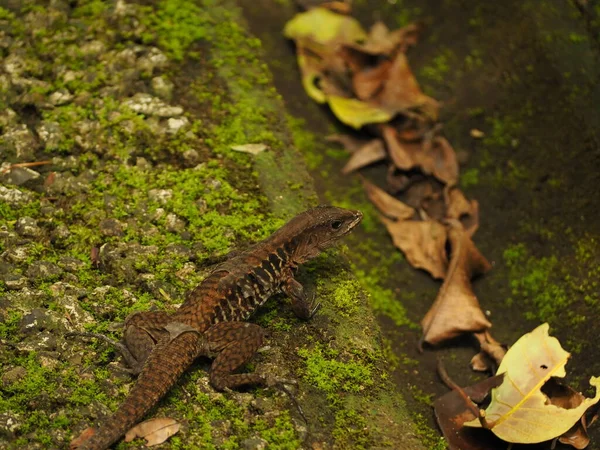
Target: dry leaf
[(460, 208), (403, 155), (324, 26), (397, 181), (155, 431), (369, 153), (491, 354), (519, 411), (401, 92), (253, 149), (82, 438), (451, 412), (311, 69), (387, 205), (456, 310), (355, 113), (423, 244), (382, 41), (368, 82), (440, 160), (350, 143), (477, 134)]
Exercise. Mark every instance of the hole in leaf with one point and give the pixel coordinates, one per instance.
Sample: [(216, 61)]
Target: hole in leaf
[(544, 366)]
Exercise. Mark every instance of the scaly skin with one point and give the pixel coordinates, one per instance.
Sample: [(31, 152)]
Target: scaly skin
[(211, 320)]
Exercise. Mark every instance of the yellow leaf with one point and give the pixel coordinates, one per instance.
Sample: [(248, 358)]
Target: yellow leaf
[(519, 411), (323, 26), (310, 75), (356, 113)]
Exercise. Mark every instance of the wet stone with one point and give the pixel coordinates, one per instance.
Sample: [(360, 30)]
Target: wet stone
[(161, 196), (21, 141), (70, 264), (162, 88), (35, 321), (28, 227), (16, 254), (175, 124), (111, 227), (14, 282), (174, 223), (152, 106), (14, 196), (60, 97), (8, 117), (17, 175), (191, 158), (43, 270), (50, 134), (11, 376), (9, 425), (179, 250), (254, 443)]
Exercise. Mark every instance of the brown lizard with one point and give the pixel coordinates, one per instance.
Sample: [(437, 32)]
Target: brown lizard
[(161, 346)]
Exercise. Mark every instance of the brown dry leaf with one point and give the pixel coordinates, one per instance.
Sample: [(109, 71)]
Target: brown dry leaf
[(387, 205), (491, 354), (466, 211), (396, 180), (439, 159), (425, 193), (403, 155), (350, 143), (82, 438), (434, 156), (382, 41), (368, 82), (566, 397), (422, 242), (401, 92), (155, 431), (456, 310), (369, 153), (451, 412)]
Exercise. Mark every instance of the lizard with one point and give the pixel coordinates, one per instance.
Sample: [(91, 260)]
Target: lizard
[(160, 346)]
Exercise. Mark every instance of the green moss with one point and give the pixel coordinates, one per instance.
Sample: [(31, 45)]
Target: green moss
[(10, 324), (438, 69), (330, 375), (351, 430), (469, 178), (345, 297), (174, 25), (533, 279)]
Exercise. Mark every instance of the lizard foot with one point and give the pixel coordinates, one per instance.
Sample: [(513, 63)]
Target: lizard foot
[(130, 360), (281, 384)]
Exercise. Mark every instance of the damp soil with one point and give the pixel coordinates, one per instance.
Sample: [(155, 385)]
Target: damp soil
[(526, 74)]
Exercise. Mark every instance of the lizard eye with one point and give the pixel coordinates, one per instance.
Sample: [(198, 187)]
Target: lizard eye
[(336, 224)]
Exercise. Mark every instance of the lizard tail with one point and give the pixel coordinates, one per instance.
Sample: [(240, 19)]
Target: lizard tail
[(167, 362)]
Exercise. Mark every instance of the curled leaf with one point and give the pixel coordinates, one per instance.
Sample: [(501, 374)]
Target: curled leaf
[(520, 411), (253, 149), (422, 242), (369, 153), (401, 92), (491, 354), (324, 27), (355, 113), (155, 431), (388, 205), (466, 211), (456, 310)]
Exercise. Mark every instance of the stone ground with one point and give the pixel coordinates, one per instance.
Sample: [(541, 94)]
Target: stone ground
[(136, 104)]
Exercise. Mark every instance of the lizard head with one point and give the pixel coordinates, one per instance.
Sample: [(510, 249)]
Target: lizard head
[(324, 225)]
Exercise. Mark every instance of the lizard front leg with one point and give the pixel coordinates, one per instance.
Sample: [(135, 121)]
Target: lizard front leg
[(303, 305)]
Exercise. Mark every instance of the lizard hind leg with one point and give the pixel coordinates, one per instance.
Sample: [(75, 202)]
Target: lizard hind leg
[(236, 343), (142, 331)]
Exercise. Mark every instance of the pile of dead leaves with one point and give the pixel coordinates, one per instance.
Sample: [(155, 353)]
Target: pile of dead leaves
[(365, 78)]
